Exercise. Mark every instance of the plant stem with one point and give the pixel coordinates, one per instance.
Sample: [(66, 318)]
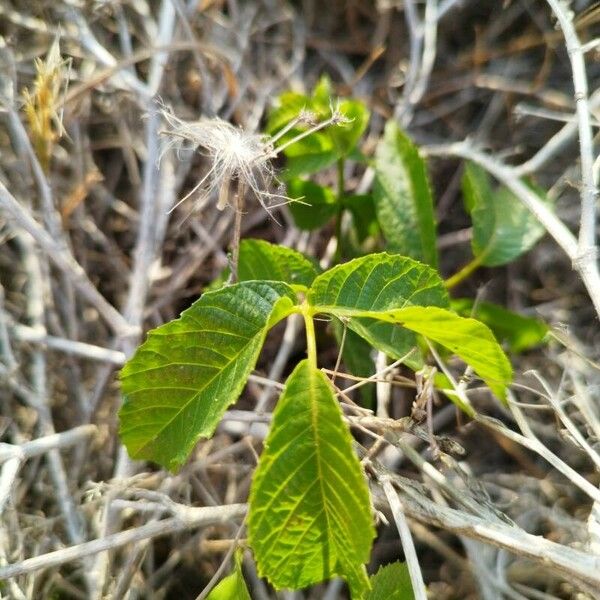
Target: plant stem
[(238, 206), (311, 341), (340, 211), (467, 270)]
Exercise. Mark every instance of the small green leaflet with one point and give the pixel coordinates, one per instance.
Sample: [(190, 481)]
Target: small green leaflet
[(270, 262), (469, 339), (379, 282), (182, 379), (391, 582), (503, 228), (403, 198), (317, 204), (232, 587), (518, 332), (322, 148), (362, 209), (310, 513), (346, 136)]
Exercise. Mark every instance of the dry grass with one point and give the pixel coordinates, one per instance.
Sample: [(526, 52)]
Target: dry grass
[(95, 250)]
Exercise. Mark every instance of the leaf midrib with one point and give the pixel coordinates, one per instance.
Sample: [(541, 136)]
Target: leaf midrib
[(195, 396)]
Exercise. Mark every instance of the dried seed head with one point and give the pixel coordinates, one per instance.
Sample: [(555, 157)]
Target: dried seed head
[(41, 101), (237, 155), (234, 155)]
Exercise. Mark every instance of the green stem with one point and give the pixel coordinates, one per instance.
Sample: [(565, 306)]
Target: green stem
[(340, 211), (311, 340), (341, 164), (467, 270)]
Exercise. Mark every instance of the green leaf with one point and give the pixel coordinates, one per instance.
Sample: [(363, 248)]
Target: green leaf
[(185, 375), (289, 106), (309, 162), (318, 203), (503, 228), (320, 149), (467, 338), (391, 582), (322, 96), (310, 514), (403, 197), (519, 332), (378, 282), (346, 136), (232, 587), (364, 219), (270, 262)]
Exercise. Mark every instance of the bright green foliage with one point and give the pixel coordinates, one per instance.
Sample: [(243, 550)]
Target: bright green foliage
[(469, 339), (403, 197), (322, 148), (391, 582), (310, 513), (309, 156), (518, 332), (182, 379), (289, 106), (503, 228), (317, 203), (232, 587), (379, 282), (263, 260), (346, 136), (362, 209)]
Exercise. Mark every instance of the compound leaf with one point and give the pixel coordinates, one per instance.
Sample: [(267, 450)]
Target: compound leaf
[(310, 513), (182, 379), (403, 198)]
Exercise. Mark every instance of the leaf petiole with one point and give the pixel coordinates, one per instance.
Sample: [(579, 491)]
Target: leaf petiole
[(311, 340), (465, 272)]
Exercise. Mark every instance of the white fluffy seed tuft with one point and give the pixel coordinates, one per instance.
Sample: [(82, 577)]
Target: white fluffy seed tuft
[(235, 155)]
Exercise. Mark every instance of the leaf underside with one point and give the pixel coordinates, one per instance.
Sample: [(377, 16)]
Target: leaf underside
[(469, 339), (310, 516)]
